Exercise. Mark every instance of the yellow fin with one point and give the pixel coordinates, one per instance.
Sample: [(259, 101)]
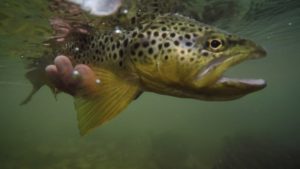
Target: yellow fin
[(110, 97)]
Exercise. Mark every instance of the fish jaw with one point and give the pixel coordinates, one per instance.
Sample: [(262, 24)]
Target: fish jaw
[(212, 85)]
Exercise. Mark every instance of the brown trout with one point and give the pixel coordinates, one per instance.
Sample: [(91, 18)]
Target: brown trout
[(169, 54)]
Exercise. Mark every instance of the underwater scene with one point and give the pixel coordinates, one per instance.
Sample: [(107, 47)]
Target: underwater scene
[(160, 95)]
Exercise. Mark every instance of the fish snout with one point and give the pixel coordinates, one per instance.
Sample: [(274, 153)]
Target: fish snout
[(256, 51)]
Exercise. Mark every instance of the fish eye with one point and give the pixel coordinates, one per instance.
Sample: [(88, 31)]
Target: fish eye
[(215, 44)]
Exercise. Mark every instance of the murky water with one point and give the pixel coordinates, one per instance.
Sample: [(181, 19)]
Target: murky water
[(259, 131)]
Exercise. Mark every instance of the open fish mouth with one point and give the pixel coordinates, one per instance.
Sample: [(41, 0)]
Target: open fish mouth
[(221, 87)]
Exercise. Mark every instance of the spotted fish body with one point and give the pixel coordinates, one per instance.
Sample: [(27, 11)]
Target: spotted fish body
[(168, 54), (163, 55), (166, 50)]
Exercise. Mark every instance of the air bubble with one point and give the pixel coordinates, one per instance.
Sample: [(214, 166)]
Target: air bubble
[(98, 81), (118, 30), (77, 49), (75, 74), (125, 11)]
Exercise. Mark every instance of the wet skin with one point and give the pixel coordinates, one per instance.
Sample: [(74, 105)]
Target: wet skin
[(70, 79)]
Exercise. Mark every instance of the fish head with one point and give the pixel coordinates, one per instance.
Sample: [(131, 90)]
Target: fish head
[(218, 51)]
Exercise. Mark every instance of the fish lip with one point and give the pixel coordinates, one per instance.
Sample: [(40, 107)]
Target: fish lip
[(258, 53), (253, 83)]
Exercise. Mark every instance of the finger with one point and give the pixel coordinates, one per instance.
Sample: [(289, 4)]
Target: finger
[(51, 71), (64, 69), (87, 77), (53, 75)]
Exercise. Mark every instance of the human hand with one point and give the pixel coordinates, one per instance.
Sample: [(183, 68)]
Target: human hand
[(71, 79)]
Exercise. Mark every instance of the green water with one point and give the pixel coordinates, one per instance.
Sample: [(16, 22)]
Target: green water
[(259, 131)]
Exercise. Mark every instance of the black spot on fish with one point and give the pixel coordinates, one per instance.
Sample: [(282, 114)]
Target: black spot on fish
[(125, 43), (188, 44), (159, 46), (118, 44), (150, 51), (153, 42), (136, 45), (149, 33), (205, 54), (187, 36), (121, 53), (141, 35), (176, 43), (140, 54), (173, 35), (115, 56), (156, 34), (93, 45), (145, 44), (167, 44), (133, 20), (133, 52), (134, 34)]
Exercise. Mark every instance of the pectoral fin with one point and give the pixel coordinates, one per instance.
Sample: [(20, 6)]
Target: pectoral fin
[(111, 96)]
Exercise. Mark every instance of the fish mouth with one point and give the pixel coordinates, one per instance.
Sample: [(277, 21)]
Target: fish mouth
[(220, 87)]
